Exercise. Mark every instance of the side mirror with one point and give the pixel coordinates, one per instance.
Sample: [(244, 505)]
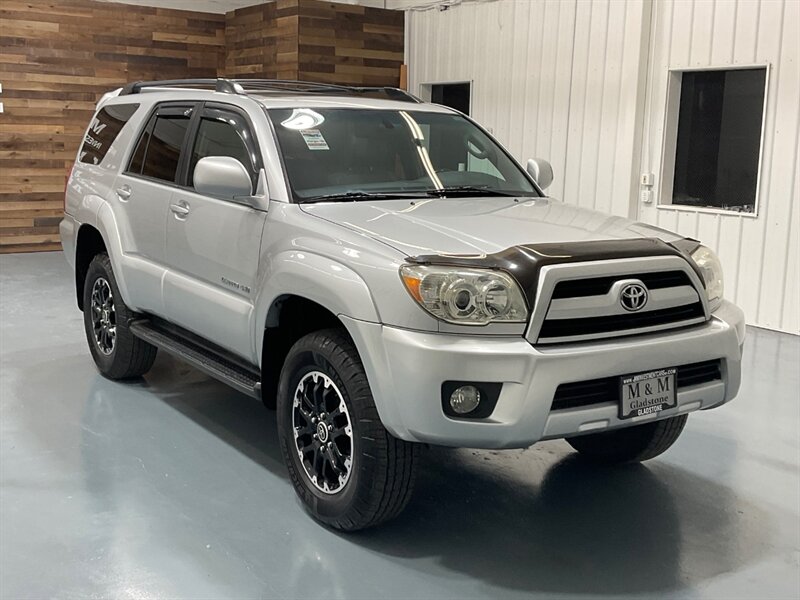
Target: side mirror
[(541, 171), (223, 177)]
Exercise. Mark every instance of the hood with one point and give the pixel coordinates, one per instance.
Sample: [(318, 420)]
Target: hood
[(479, 226)]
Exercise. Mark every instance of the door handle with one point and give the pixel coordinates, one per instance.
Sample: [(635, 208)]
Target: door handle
[(181, 210), (124, 192)]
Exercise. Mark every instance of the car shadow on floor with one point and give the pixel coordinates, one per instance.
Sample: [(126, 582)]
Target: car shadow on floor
[(540, 519), (242, 422), (576, 528)]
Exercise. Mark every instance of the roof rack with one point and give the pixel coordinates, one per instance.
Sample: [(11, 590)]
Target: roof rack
[(218, 85), (243, 86)]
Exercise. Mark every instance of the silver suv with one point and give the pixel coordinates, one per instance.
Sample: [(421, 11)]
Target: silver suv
[(385, 273)]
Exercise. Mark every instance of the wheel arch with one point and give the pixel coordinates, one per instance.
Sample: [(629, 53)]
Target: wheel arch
[(290, 317), (316, 291), (89, 243)]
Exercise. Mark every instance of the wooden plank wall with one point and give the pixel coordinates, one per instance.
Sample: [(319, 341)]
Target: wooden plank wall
[(261, 41), (58, 57), (315, 41), (349, 44)]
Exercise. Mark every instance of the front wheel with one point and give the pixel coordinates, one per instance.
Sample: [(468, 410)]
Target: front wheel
[(632, 444), (347, 469)]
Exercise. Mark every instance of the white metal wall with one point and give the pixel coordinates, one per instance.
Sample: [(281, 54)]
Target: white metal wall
[(547, 76), (574, 82), (760, 255)]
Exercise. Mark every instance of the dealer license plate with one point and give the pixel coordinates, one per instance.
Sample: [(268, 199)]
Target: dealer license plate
[(647, 393)]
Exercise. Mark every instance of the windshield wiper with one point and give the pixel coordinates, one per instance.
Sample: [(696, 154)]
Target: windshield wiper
[(355, 196), (467, 190)]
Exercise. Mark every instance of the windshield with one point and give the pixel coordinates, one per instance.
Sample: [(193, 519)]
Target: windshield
[(357, 154)]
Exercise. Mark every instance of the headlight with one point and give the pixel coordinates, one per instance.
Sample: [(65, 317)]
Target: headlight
[(712, 274), (465, 296)]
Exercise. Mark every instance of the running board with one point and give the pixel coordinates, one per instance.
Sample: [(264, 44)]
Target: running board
[(213, 363)]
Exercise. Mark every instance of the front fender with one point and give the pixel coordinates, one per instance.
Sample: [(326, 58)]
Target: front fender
[(327, 282)]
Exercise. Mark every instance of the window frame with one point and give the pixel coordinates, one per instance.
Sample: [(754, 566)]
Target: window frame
[(294, 198), (149, 123), (669, 140), (426, 91), (250, 142), (136, 105), (198, 108)]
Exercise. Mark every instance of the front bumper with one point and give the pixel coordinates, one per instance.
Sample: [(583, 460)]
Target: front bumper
[(406, 370)]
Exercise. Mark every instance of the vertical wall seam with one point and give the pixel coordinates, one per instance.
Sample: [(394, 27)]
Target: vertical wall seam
[(569, 95), (764, 207), (620, 95), (641, 113), (602, 102), (585, 104), (792, 208)]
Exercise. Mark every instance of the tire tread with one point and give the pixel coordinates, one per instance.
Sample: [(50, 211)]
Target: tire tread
[(395, 460), (132, 357), (633, 444)]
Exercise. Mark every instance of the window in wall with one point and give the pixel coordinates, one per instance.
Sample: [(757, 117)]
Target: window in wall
[(103, 130), (719, 139), (454, 95)]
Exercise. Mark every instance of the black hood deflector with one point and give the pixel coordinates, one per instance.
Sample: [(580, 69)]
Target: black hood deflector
[(525, 262)]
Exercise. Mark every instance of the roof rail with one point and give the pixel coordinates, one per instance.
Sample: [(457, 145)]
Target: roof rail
[(310, 87), (219, 84), (242, 86)]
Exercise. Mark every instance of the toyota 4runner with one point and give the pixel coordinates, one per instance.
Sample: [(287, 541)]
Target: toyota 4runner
[(383, 272)]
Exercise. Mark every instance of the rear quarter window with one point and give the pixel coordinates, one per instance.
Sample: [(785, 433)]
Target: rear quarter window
[(103, 130)]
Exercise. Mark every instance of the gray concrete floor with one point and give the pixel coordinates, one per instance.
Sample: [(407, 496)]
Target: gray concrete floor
[(173, 486)]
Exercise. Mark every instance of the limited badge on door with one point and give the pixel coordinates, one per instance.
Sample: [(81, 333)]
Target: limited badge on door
[(647, 393)]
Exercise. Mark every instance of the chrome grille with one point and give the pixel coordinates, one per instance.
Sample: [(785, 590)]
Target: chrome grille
[(583, 301), (597, 286)]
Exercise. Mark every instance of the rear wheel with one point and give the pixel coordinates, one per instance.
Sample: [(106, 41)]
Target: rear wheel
[(117, 353), (632, 444), (348, 470)]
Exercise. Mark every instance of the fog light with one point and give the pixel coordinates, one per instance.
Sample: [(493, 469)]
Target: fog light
[(465, 399)]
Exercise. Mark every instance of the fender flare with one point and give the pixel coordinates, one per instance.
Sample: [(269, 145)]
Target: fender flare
[(106, 224), (331, 284)]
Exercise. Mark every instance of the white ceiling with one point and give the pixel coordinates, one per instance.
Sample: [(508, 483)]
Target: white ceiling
[(223, 6)]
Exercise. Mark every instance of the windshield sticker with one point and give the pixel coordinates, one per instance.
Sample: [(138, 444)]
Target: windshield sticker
[(314, 139)]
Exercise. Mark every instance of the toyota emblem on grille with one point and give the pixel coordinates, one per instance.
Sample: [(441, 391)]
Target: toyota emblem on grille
[(633, 297)]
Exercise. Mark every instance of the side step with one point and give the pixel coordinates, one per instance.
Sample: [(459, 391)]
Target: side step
[(214, 363)]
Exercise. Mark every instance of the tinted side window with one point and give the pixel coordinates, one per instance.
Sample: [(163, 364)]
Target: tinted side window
[(220, 136), (138, 156), (104, 129), (164, 149)]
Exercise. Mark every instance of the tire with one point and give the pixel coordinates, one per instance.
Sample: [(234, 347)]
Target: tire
[(632, 444), (117, 353), (321, 370)]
